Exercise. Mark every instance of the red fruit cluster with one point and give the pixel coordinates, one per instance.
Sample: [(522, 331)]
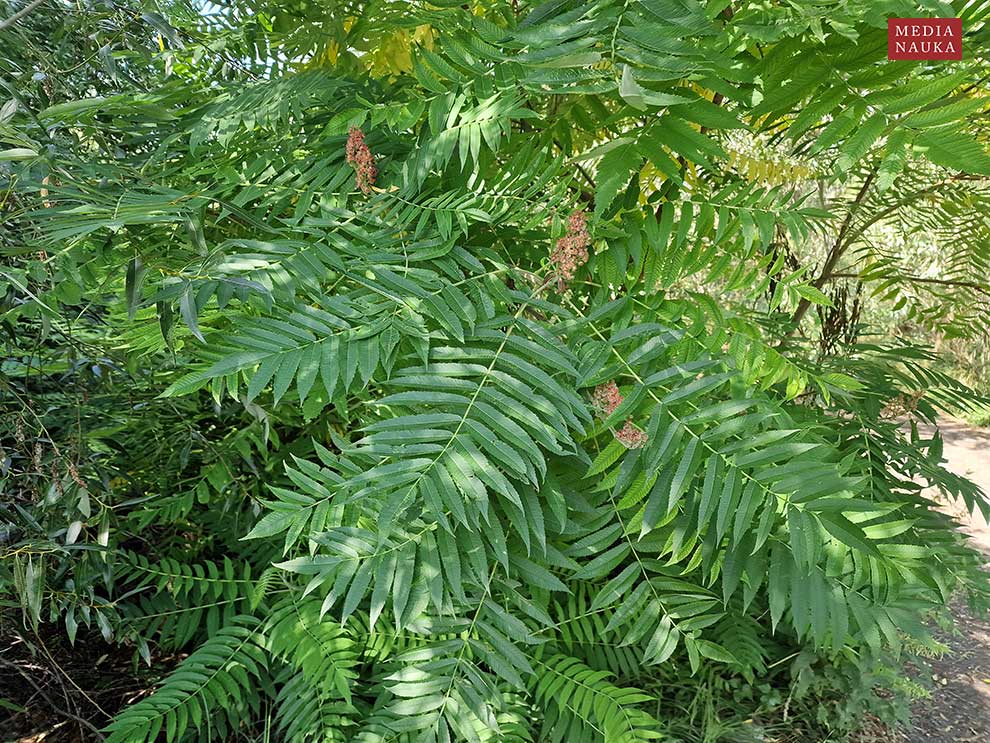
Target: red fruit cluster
[(572, 249), (606, 398), (361, 159)]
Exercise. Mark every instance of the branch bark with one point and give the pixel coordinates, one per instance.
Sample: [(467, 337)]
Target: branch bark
[(982, 288), (846, 238), (838, 249), (20, 14)]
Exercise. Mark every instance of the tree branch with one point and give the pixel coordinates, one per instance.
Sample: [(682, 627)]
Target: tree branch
[(65, 713), (845, 239), (20, 14), (838, 249), (984, 289)]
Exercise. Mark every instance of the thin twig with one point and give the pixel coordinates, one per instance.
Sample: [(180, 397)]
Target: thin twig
[(923, 280), (51, 704), (838, 249), (20, 14)]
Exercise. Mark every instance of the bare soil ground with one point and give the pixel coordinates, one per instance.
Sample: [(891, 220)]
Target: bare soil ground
[(959, 710)]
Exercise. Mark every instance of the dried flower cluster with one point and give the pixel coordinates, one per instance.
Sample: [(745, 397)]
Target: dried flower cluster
[(903, 404), (361, 159), (572, 249), (74, 474), (606, 398), (56, 478), (631, 437)]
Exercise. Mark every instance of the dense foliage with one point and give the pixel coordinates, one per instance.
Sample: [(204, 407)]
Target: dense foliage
[(476, 371)]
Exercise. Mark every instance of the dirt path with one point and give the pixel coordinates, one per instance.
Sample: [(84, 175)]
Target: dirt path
[(959, 710)]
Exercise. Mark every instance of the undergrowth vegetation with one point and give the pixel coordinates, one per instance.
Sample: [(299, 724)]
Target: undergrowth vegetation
[(386, 371)]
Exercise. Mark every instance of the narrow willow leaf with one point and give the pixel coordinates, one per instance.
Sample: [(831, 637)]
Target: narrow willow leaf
[(187, 307), (684, 474)]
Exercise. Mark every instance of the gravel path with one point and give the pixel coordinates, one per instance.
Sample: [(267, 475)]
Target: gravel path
[(959, 710)]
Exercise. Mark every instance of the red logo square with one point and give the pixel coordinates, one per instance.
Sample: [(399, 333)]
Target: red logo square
[(924, 38)]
